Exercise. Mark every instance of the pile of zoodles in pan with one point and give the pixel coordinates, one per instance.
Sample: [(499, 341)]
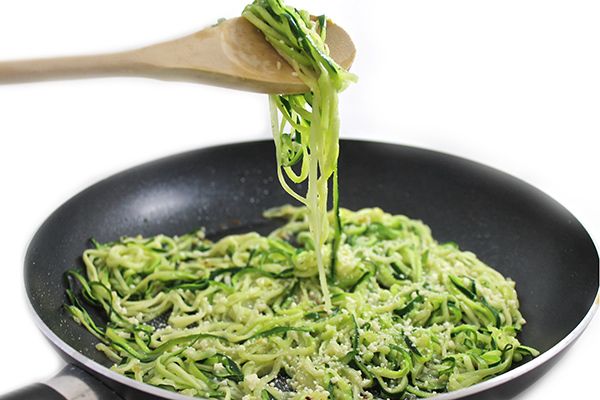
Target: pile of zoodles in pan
[(338, 305)]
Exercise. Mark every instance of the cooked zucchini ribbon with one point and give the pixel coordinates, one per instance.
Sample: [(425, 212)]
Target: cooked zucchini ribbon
[(244, 317), (331, 305), (307, 136)]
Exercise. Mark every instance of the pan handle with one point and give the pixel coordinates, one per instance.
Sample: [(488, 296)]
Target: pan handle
[(69, 384), (36, 391)]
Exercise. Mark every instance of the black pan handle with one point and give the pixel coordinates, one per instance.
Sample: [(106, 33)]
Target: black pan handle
[(37, 391), (69, 384)]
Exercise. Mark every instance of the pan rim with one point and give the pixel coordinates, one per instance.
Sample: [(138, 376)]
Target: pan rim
[(162, 393)]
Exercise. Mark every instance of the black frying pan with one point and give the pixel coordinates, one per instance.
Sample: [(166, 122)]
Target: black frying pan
[(512, 226)]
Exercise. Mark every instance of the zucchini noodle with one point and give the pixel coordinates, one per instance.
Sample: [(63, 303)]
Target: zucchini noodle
[(338, 305), (245, 318), (308, 134)]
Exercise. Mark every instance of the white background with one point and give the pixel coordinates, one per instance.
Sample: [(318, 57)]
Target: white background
[(513, 84)]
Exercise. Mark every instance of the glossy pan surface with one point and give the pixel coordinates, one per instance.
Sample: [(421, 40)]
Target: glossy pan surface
[(509, 224)]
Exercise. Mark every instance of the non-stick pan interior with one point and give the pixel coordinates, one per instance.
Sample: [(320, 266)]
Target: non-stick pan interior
[(510, 225)]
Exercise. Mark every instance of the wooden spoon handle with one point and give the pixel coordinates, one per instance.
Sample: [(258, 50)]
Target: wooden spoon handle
[(115, 64)]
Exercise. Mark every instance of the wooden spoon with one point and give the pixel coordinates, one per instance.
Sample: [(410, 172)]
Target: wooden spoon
[(232, 54)]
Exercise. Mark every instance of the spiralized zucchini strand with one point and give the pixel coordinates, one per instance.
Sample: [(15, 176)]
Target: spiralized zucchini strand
[(254, 317), (244, 317), (308, 135)]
